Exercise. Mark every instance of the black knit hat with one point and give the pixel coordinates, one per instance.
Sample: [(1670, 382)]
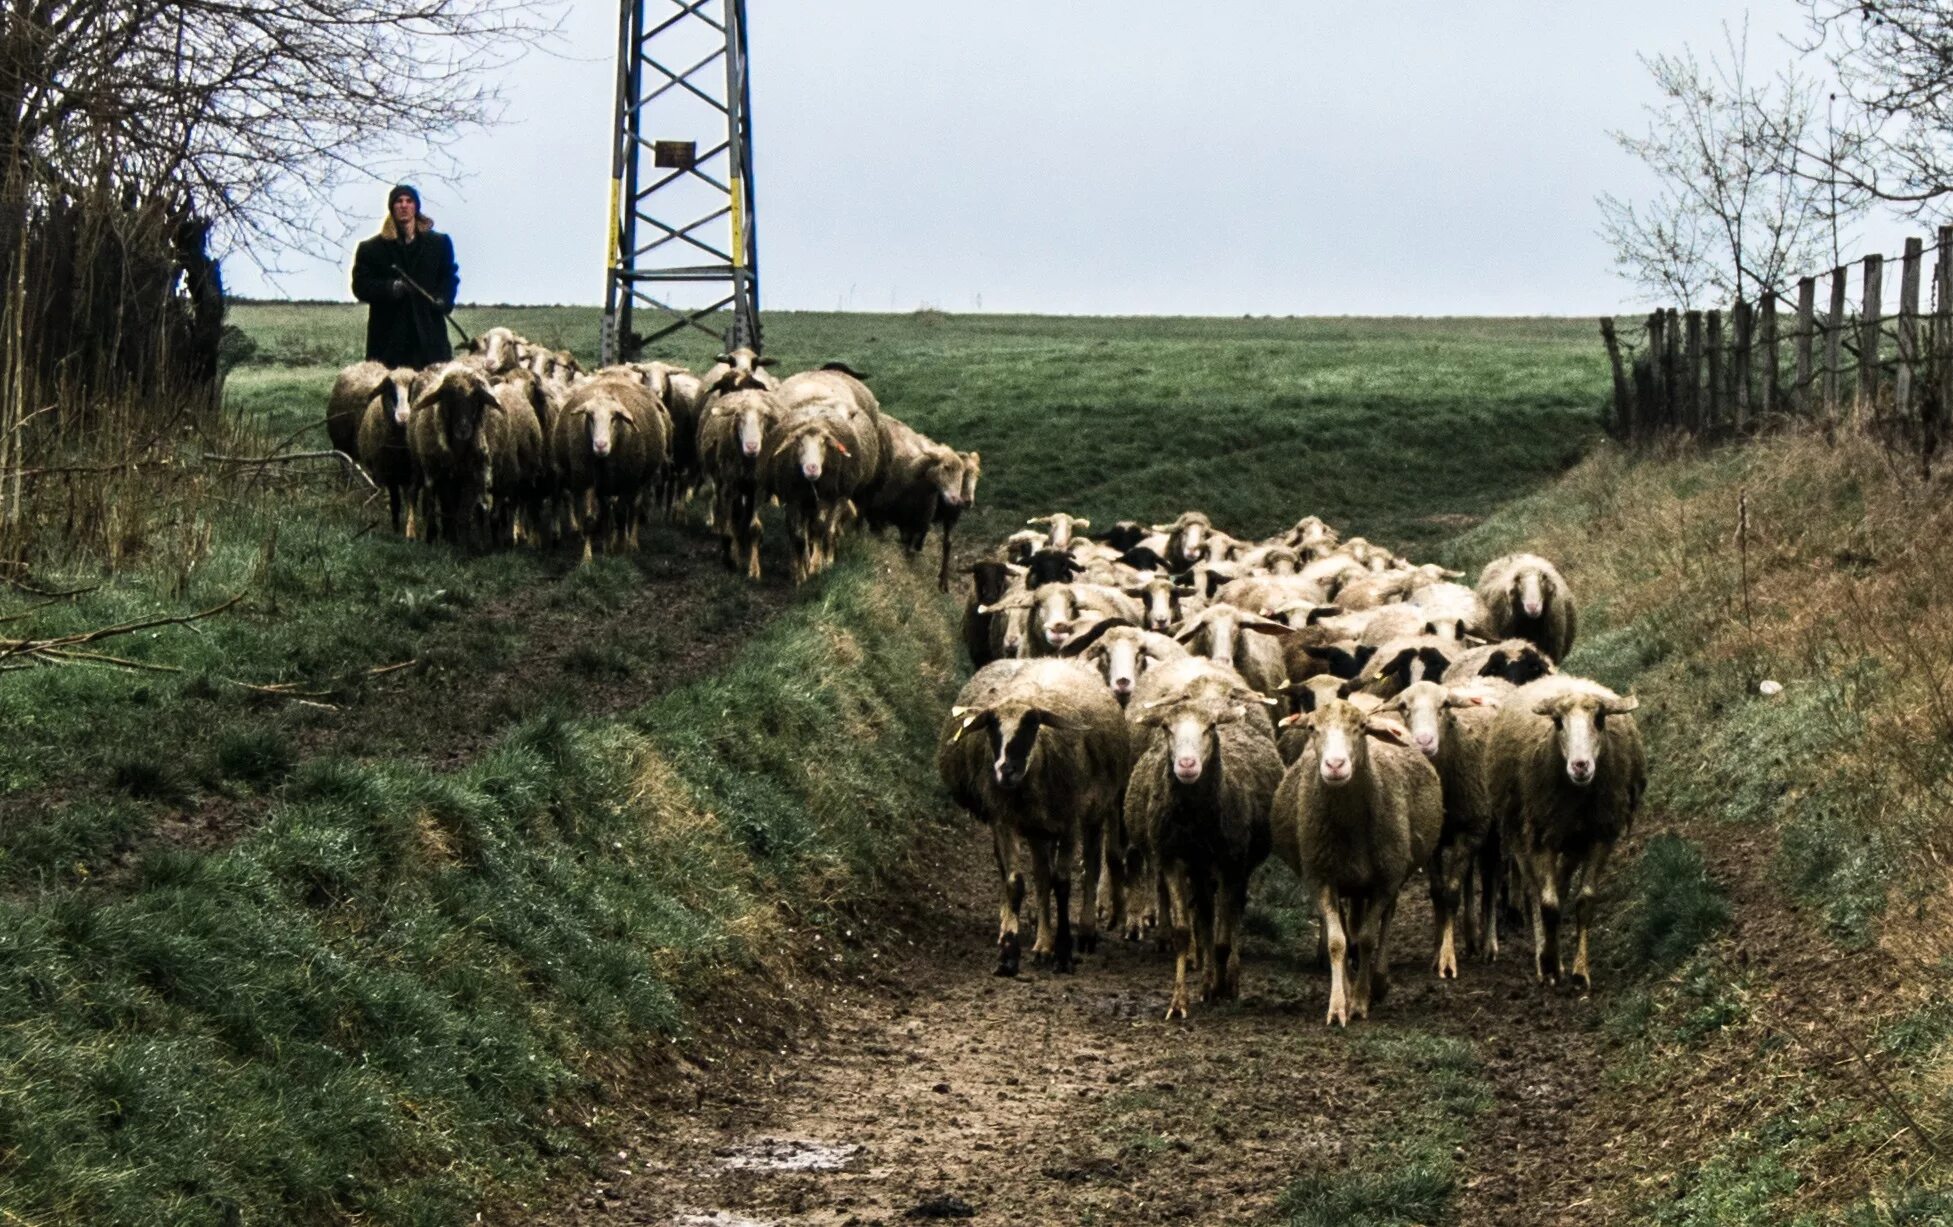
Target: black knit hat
[(404, 189)]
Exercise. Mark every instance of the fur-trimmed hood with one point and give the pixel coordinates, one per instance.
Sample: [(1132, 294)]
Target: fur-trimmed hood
[(422, 225)]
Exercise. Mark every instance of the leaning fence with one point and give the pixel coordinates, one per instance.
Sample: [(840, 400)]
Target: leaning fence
[(1720, 374)]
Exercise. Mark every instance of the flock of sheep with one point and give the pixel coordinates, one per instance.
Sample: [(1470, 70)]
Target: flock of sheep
[(1157, 709), (512, 441)]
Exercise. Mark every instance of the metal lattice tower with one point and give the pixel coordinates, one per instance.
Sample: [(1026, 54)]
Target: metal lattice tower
[(682, 240)]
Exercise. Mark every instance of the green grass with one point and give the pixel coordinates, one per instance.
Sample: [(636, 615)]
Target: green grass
[(361, 991), (364, 1006), (1408, 1169)]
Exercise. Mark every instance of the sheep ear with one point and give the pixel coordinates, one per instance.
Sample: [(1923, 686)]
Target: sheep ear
[(1290, 721), (1266, 627), (1091, 635), (766, 362), (1323, 611), (1081, 523), (1039, 520), (1621, 706), (1387, 730)]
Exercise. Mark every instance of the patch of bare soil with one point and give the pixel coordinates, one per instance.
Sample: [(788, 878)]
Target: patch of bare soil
[(931, 1089)]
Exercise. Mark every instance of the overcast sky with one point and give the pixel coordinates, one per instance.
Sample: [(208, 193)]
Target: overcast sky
[(1109, 156)]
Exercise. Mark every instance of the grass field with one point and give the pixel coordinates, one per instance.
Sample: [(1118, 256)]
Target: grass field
[(282, 937)]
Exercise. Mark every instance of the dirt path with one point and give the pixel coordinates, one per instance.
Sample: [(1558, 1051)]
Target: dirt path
[(936, 1090)]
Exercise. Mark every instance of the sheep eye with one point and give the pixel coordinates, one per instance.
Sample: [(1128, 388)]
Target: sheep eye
[(1600, 719)]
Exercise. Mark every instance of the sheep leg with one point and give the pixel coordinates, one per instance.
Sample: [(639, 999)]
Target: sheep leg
[(1112, 884), (1203, 928), (1179, 903), (1365, 913), (1061, 870), (1089, 863), (1011, 880), (393, 500), (1447, 874), (1583, 909), (1544, 895), (1047, 939), (1225, 978), (1337, 944), (942, 573), (1381, 915)]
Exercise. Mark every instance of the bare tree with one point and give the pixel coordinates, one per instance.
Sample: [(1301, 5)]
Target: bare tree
[(1737, 208), (133, 131), (1893, 60)]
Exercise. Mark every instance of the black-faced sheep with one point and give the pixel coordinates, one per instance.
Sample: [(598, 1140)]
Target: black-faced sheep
[(1355, 817), (992, 582), (1525, 597), (1566, 770), (1039, 749), (1517, 661)]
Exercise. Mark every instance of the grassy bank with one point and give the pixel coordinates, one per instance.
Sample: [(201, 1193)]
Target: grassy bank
[(1786, 942), (367, 1005), (287, 932)]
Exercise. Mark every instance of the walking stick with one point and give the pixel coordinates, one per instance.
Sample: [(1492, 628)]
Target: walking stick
[(447, 314)]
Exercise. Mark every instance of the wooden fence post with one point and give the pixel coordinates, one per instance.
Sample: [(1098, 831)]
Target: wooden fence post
[(1741, 364), (1908, 330), (1869, 318), (1717, 386), (1833, 344), (1933, 412), (1772, 358), (1671, 360), (1692, 370), (1806, 324), (1623, 414), (1656, 404)]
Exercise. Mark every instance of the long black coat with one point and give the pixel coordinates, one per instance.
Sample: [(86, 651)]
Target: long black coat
[(407, 331)]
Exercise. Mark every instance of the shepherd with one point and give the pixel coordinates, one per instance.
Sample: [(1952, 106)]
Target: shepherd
[(407, 276)]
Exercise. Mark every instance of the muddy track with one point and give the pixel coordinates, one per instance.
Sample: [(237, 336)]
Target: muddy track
[(932, 1089)]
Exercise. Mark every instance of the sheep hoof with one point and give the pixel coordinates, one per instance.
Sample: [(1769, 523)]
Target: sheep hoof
[(1088, 943), (1177, 1008)]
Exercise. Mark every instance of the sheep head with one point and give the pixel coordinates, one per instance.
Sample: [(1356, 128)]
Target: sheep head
[(972, 469), (992, 581), (1529, 592), (605, 419), (944, 469), (1579, 727), (1012, 728), (1191, 727)]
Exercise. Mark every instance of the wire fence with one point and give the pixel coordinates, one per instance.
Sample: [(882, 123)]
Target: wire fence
[(1721, 374)]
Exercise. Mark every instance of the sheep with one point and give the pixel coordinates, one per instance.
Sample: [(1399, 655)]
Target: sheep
[(1055, 610), (1165, 601), (380, 445), (518, 484), (1122, 653), (923, 476), (1049, 566), (827, 457), (948, 512), (355, 387), (1399, 663), (992, 582), (1566, 772), (1271, 560), (1452, 726), (498, 350), (1265, 594), (450, 447), (1197, 804), (1526, 598), (1250, 643), (1517, 661), (1039, 750), (1451, 611), (1124, 536), (1385, 587), (1312, 537), (611, 442), (745, 361), (731, 445), (1063, 527), (683, 395), (1186, 539), (1354, 818)]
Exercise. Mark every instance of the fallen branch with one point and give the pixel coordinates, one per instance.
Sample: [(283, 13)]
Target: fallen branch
[(351, 466), (64, 643)]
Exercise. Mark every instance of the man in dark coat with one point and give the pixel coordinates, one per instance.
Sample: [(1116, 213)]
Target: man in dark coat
[(404, 328)]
